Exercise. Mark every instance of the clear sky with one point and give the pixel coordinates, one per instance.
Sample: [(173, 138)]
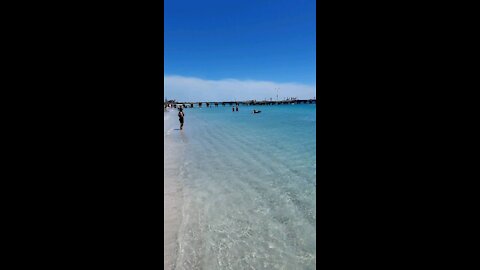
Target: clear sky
[(272, 42)]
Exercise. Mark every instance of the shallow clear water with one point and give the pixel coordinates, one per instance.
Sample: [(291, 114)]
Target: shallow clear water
[(244, 187)]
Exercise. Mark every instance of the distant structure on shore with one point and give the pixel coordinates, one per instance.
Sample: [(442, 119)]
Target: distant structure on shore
[(207, 104), (169, 104)]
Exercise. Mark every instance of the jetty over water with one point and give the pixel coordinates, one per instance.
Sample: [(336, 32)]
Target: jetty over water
[(244, 103)]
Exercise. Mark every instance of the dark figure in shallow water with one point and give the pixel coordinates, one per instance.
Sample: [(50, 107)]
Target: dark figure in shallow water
[(237, 108), (233, 109), (181, 115), (255, 111)]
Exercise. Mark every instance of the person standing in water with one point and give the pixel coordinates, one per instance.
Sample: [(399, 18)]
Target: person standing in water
[(181, 115), (237, 108)]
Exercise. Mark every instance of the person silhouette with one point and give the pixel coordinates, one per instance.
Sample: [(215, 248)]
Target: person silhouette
[(181, 117)]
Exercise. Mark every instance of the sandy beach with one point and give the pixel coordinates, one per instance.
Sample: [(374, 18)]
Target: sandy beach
[(172, 189)]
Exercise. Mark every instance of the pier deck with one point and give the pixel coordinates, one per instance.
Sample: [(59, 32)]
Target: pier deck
[(245, 103)]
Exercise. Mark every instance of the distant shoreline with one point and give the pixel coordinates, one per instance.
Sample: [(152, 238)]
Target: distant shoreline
[(175, 105)]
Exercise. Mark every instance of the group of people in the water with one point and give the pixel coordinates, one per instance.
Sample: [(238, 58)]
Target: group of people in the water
[(235, 109), (181, 114)]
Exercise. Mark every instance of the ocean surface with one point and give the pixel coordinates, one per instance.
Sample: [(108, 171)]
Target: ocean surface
[(240, 188)]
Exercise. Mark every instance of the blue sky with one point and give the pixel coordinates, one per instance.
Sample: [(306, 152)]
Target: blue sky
[(244, 41)]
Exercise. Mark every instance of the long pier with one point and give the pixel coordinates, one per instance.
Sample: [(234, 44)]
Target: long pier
[(244, 103)]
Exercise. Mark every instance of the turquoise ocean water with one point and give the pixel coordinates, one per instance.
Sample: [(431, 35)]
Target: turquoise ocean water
[(241, 188)]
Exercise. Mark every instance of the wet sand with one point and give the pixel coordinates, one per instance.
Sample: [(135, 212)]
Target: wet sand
[(172, 192)]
